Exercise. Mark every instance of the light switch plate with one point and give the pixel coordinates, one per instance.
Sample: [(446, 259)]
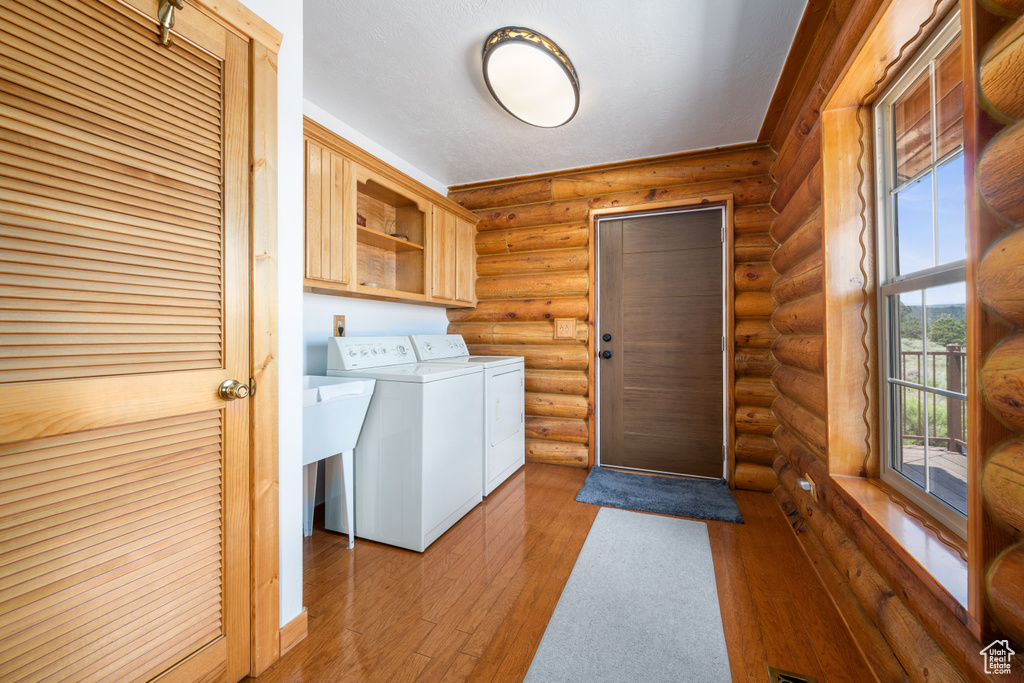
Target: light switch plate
[(339, 326), (565, 328)]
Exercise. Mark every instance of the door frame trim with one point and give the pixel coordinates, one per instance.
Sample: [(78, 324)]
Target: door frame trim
[(728, 311)]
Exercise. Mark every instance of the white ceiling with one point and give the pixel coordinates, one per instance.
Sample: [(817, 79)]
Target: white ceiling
[(656, 77)]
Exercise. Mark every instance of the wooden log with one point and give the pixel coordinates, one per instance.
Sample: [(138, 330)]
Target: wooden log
[(800, 208), (920, 655), (557, 382), (756, 448), (749, 190), (556, 405), (570, 283), (802, 423), (532, 262), (557, 429), (719, 165), (806, 352), (556, 453), (539, 357), (804, 241), (526, 192), (754, 305), (1002, 483), (752, 220), (803, 164), (537, 238), (751, 477), (877, 651), (755, 391), (1005, 579), (796, 454), (753, 248), (1000, 279), (947, 626), (754, 362), (1002, 379), (806, 388), (838, 40), (755, 333), (803, 316), (533, 333), (754, 277), (802, 279), (1001, 173), (1000, 72), (522, 309), (755, 420)]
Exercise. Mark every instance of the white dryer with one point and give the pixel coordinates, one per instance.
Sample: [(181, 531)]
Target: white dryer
[(504, 382), (418, 461)]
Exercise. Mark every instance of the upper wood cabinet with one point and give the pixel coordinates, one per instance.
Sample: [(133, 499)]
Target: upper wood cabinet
[(453, 258), (371, 231), (329, 201)]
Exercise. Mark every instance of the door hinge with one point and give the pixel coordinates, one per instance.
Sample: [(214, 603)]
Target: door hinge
[(252, 387), (723, 344), (723, 234)]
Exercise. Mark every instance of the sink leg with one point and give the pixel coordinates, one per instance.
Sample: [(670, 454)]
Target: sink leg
[(308, 497), (339, 508), (348, 473)]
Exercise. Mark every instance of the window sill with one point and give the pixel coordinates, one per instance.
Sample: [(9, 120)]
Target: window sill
[(936, 556)]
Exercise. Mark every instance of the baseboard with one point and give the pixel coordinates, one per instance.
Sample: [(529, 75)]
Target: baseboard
[(294, 631)]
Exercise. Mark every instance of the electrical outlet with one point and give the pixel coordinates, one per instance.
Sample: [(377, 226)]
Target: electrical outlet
[(339, 326), (565, 328)]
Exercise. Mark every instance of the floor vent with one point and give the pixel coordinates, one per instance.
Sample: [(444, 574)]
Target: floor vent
[(780, 676)]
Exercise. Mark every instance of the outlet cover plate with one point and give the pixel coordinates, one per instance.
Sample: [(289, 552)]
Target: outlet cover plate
[(565, 328)]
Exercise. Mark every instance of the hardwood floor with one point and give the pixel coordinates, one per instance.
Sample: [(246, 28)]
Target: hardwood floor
[(475, 605)]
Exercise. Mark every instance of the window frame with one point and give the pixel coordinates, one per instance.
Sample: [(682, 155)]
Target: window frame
[(890, 285)]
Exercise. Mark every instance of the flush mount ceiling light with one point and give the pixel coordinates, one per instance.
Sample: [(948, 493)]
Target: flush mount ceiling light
[(530, 77)]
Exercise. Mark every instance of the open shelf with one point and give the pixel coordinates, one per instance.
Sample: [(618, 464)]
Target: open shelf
[(384, 241)]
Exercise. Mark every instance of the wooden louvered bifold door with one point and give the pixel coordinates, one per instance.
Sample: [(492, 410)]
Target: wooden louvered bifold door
[(123, 305)]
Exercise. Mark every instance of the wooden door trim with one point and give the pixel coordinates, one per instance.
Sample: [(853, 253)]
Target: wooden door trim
[(265, 645), (727, 201)]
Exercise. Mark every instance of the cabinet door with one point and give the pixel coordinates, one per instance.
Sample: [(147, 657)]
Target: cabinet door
[(444, 239), (328, 198), (465, 262)]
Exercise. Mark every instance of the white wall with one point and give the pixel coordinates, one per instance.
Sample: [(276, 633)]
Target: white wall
[(363, 318), (287, 18)]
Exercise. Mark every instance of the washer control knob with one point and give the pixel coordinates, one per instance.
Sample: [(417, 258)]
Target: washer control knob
[(402, 350)]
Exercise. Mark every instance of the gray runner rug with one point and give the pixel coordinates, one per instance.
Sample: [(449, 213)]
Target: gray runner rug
[(700, 498), (640, 605)]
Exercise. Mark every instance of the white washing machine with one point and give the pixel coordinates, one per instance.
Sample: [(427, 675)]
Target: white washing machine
[(419, 458), (504, 382)]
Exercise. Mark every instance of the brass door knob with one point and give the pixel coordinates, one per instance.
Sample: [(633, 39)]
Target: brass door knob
[(230, 389)]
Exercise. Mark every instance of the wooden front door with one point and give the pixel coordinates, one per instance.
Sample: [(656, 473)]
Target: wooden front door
[(124, 290), (660, 326)]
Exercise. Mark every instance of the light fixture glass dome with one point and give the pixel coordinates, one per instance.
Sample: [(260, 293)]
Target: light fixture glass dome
[(530, 77)]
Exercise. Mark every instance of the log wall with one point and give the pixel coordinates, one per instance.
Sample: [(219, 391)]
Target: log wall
[(1000, 289), (533, 247), (929, 640)]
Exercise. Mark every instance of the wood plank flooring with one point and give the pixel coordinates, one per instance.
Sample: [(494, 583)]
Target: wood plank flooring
[(475, 605)]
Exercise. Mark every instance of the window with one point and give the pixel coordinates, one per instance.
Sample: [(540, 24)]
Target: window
[(922, 291)]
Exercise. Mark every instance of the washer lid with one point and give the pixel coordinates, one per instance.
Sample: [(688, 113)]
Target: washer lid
[(416, 373)]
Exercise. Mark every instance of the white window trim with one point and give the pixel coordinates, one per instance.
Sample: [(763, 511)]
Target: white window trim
[(889, 285)]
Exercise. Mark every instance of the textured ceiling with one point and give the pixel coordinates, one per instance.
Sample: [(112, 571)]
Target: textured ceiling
[(656, 77)]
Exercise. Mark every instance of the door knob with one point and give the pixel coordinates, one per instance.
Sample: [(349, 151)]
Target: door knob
[(230, 389), (606, 354)]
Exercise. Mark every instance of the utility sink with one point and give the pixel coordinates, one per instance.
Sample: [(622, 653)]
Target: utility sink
[(333, 409)]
